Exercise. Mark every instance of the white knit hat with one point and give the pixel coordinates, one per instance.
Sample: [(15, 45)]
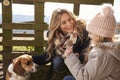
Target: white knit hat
[(104, 23)]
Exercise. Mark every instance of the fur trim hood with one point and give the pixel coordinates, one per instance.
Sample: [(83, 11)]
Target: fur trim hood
[(112, 47)]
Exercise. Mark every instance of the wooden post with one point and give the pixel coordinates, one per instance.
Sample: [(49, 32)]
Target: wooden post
[(6, 21), (76, 9)]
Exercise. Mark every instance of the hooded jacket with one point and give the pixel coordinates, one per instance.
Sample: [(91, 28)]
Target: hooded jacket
[(103, 63)]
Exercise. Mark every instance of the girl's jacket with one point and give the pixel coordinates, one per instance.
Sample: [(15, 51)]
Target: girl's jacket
[(103, 63)]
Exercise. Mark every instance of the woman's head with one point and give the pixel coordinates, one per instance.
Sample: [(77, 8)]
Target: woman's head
[(62, 20), (103, 24)]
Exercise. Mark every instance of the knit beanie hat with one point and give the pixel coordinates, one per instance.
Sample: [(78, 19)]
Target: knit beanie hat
[(104, 23)]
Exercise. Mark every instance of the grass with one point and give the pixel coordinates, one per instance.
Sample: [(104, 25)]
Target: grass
[(21, 48), (1, 58)]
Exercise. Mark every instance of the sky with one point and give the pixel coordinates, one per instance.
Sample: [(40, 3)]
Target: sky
[(28, 10)]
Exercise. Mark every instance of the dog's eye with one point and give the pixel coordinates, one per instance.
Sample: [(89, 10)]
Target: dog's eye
[(28, 62)]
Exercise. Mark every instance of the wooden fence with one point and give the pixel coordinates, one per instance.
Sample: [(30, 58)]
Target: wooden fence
[(38, 25)]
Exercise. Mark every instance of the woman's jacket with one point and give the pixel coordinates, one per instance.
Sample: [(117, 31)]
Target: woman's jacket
[(81, 44)]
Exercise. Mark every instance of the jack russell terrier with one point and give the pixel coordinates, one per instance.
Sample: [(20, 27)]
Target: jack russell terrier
[(21, 67)]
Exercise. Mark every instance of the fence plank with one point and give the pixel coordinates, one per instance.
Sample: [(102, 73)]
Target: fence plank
[(64, 1), (22, 42), (25, 26)]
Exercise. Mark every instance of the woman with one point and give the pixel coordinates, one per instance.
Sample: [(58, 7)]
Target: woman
[(64, 30), (104, 57)]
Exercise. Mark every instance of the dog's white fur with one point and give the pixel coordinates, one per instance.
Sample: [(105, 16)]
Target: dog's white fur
[(20, 68)]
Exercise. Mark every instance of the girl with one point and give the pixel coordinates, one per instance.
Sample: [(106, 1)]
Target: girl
[(104, 57)]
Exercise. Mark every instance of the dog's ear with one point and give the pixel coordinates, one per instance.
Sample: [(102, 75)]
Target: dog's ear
[(17, 68)]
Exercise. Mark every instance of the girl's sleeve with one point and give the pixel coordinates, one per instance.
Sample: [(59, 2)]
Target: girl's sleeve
[(80, 71)]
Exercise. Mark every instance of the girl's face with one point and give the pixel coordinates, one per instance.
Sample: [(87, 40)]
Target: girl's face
[(67, 23), (93, 37)]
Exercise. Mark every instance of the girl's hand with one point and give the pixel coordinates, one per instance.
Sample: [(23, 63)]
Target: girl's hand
[(68, 51)]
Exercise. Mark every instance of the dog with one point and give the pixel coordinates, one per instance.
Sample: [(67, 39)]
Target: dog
[(21, 67)]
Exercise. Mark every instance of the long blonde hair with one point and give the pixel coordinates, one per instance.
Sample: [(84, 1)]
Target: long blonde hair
[(55, 34)]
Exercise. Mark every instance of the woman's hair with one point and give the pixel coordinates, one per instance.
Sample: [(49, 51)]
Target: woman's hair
[(55, 34)]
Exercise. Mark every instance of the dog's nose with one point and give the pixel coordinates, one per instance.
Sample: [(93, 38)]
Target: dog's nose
[(37, 67)]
